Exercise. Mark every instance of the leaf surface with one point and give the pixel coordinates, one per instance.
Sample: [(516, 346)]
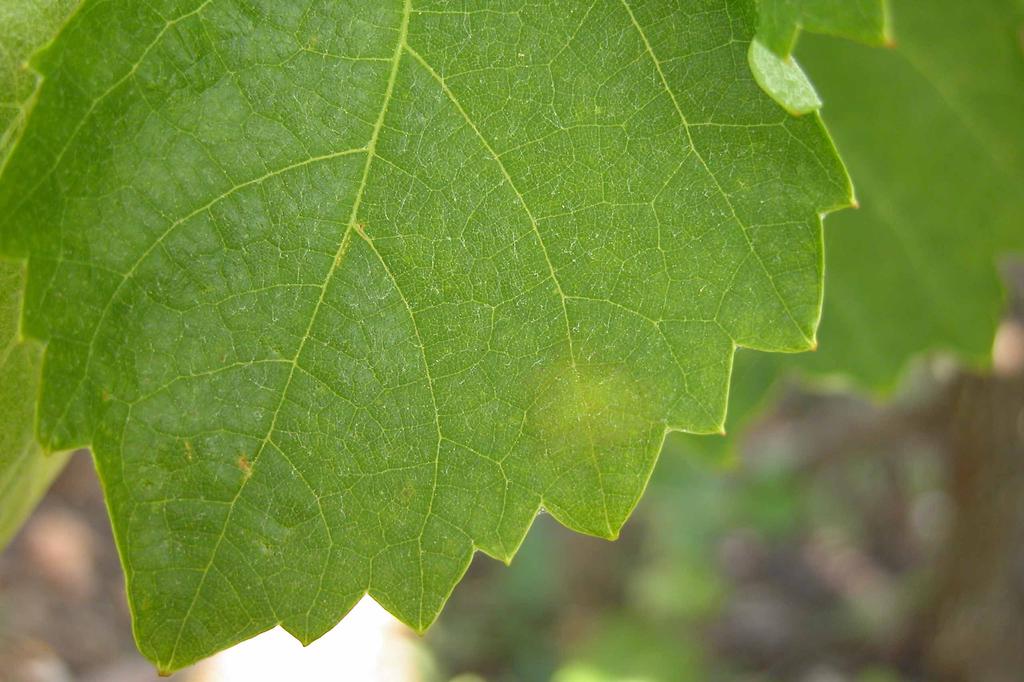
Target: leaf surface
[(339, 293)]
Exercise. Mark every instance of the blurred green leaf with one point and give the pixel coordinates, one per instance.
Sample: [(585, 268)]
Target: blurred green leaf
[(25, 470), (630, 650), (931, 132), (780, 21), (25, 25)]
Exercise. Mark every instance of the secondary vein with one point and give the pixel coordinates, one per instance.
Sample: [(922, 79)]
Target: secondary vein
[(339, 256)]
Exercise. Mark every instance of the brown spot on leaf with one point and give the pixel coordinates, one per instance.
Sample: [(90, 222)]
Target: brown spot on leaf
[(245, 465)]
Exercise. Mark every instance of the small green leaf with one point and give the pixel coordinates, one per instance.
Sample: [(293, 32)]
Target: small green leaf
[(783, 79), (341, 292), (779, 25), (932, 133), (25, 25)]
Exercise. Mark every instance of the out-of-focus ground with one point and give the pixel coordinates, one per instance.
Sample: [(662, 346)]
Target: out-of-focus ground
[(848, 541)]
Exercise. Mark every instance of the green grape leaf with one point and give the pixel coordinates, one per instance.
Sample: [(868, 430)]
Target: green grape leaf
[(780, 21), (339, 293), (931, 132), (25, 470)]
